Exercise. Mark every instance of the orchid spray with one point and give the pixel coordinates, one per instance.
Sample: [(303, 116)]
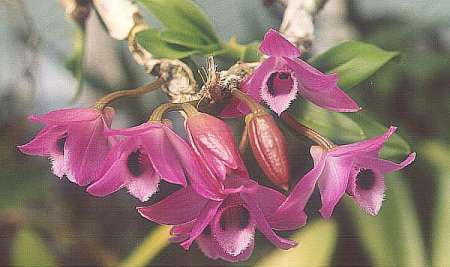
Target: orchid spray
[(220, 201)]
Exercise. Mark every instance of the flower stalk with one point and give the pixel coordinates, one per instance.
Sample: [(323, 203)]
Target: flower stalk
[(306, 131), (106, 100)]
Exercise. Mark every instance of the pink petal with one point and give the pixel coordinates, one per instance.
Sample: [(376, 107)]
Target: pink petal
[(45, 143), (321, 89), (384, 166), (372, 145), (369, 200), (181, 232), (200, 177), (253, 83), (163, 156), (203, 219), (69, 115), (115, 174), (333, 182), (136, 130), (85, 148), (263, 225), (179, 207), (274, 44)]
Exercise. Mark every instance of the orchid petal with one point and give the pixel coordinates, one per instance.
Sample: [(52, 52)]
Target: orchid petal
[(161, 153), (84, 150), (263, 225), (203, 219), (64, 116), (275, 45), (321, 89), (253, 83), (46, 142), (333, 182), (384, 166), (179, 207), (201, 179), (136, 130), (372, 145)]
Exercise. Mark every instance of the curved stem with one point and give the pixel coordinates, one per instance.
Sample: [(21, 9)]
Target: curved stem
[(104, 101), (306, 131), (254, 106)]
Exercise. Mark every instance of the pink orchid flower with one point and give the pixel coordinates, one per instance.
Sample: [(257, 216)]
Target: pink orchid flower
[(146, 154), (355, 168), (282, 76), (225, 229), (73, 140)]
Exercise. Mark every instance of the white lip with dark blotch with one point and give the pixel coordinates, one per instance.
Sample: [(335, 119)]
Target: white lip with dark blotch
[(60, 144)]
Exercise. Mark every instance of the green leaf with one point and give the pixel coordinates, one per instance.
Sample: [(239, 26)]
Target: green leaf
[(438, 156), (354, 61), (316, 240), (182, 16), (75, 63), (344, 128), (334, 125), (151, 41), (150, 247), (185, 39), (393, 237), (28, 249)]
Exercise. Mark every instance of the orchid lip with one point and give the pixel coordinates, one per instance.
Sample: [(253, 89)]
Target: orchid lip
[(279, 83), (238, 216), (365, 180)]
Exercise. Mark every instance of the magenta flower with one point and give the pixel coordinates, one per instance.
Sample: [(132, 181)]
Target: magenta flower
[(73, 140), (146, 154), (225, 229), (355, 168), (214, 146), (282, 76)]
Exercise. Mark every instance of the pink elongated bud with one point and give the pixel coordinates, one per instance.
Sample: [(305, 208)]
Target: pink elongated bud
[(269, 147), (213, 141)]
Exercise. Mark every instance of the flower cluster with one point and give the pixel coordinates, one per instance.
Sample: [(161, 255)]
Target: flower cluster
[(220, 205)]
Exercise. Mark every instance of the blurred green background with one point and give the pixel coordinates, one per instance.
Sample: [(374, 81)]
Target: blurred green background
[(49, 221)]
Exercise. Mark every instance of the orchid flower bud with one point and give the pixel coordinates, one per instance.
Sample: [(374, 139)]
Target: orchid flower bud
[(269, 147)]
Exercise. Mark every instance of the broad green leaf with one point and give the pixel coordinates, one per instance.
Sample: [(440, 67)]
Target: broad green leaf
[(393, 237), (185, 39), (344, 128), (150, 247), (316, 240), (334, 125), (438, 156), (75, 63), (182, 16), (151, 41), (28, 249), (354, 61)]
